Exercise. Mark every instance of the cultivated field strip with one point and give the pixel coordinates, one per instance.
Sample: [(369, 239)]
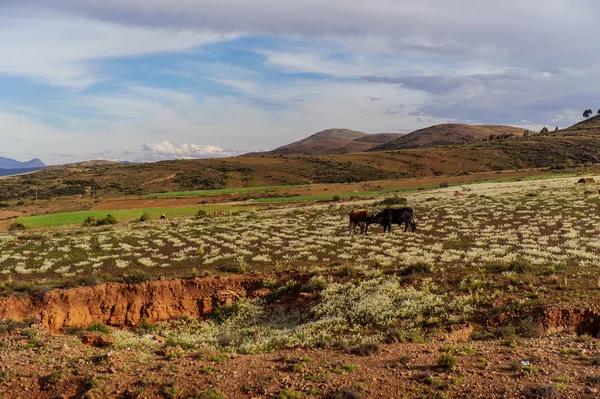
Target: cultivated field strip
[(548, 223)]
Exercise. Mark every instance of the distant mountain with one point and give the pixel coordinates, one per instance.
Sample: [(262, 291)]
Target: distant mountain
[(8, 163), (447, 134), (333, 141)]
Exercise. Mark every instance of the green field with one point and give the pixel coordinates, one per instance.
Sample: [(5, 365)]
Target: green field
[(224, 191), (325, 197), (126, 215)]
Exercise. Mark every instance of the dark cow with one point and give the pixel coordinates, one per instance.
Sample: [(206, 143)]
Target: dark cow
[(390, 216), (358, 218)]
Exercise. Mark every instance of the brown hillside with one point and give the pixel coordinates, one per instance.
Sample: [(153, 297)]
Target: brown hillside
[(447, 134), (378, 138), (333, 141), (84, 164), (592, 123)]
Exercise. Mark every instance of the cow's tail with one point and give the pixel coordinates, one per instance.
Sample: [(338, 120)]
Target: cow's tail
[(350, 227)]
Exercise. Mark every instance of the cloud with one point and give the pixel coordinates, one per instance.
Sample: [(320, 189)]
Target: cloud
[(63, 155), (166, 150), (101, 154), (522, 31), (57, 49), (374, 98), (511, 96)]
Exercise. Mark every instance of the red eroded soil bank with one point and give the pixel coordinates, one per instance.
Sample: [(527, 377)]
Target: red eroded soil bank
[(129, 304)]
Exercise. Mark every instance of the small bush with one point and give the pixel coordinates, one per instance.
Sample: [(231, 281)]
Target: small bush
[(210, 394), (528, 328), (354, 391), (315, 284), (99, 328), (543, 391), (520, 265), (136, 277), (444, 184), (201, 214), (17, 226), (89, 221), (108, 220), (593, 379), (417, 268), (10, 325), (91, 382), (447, 361), (336, 198), (366, 349), (145, 216), (395, 200), (55, 377), (289, 394)]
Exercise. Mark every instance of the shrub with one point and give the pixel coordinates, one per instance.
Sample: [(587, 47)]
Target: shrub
[(136, 277), (528, 328), (145, 216), (210, 394), (520, 265), (10, 325), (89, 221), (543, 391), (17, 226), (99, 328), (108, 220), (354, 391), (366, 349), (417, 268), (336, 198), (315, 284), (201, 213), (288, 394), (444, 184), (447, 361), (593, 379), (395, 200)]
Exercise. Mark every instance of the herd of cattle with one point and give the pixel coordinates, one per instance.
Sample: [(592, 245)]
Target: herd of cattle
[(385, 218)]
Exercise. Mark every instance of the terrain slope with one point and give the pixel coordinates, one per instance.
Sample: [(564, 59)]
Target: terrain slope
[(334, 141), (447, 134)]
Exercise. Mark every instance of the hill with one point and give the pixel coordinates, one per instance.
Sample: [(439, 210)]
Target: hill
[(592, 123), (557, 150), (8, 163), (447, 134), (333, 141), (84, 164), (378, 138)]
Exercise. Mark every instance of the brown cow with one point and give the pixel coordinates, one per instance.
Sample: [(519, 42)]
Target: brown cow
[(586, 180), (358, 219)]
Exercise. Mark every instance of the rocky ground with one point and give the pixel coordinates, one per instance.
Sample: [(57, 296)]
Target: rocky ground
[(36, 364)]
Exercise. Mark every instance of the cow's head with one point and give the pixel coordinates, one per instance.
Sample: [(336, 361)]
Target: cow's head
[(374, 219)]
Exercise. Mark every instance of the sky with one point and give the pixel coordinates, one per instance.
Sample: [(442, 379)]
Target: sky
[(145, 80)]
